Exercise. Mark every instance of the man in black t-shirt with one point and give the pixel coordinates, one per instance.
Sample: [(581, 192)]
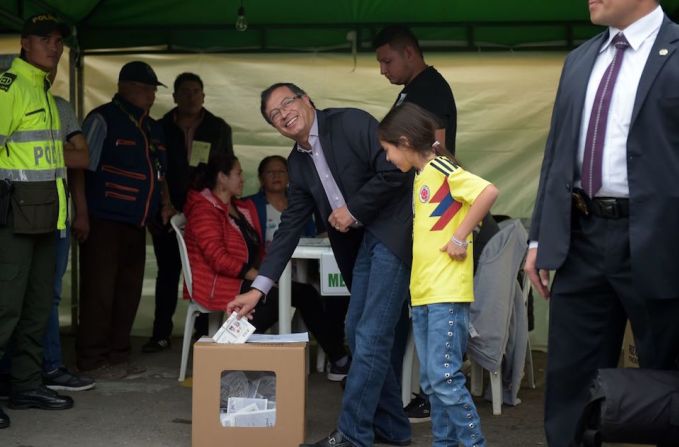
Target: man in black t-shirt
[(401, 61)]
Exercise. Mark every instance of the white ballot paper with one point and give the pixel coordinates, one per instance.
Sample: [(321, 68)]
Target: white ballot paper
[(299, 337), (234, 330), (249, 412), (256, 418), (245, 404)]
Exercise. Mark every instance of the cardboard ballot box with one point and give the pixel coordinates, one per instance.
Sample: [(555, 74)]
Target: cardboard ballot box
[(288, 363)]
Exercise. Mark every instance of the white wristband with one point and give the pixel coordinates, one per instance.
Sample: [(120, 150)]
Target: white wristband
[(458, 242)]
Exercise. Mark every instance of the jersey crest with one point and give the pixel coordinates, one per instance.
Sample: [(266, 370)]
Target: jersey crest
[(424, 194)]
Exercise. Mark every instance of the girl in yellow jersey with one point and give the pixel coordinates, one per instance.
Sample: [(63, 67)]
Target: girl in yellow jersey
[(448, 202)]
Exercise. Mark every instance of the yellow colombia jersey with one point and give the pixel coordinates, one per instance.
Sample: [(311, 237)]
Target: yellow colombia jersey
[(442, 195)]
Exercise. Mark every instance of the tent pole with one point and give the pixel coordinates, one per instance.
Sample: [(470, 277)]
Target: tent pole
[(73, 81)]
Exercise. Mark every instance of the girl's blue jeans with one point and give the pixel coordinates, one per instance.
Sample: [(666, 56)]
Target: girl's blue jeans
[(440, 332)]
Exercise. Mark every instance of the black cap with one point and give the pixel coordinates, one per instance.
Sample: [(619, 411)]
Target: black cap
[(139, 71), (43, 24)]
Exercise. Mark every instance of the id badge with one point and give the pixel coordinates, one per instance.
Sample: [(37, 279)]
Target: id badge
[(200, 152)]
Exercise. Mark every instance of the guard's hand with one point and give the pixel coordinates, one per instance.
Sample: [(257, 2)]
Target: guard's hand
[(341, 219), (244, 303), (166, 213), (455, 252), (539, 279), (80, 227)]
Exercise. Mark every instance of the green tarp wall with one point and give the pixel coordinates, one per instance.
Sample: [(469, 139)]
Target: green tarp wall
[(504, 93)]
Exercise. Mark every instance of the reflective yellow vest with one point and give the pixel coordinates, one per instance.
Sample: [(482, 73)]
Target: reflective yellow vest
[(31, 144)]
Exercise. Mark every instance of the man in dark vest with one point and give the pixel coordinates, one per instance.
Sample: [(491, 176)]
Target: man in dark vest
[(123, 187)]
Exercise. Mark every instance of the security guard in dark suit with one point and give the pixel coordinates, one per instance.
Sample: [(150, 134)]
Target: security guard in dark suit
[(606, 213)]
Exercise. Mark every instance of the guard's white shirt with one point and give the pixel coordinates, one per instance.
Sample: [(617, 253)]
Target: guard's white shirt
[(641, 37)]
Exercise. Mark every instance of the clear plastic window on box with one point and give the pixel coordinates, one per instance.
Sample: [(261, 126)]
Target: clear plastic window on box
[(248, 399)]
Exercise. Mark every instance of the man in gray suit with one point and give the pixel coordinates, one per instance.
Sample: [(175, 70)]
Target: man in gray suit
[(607, 209), (338, 170)]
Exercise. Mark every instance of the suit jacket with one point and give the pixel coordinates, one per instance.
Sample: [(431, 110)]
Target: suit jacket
[(652, 165), (376, 193)]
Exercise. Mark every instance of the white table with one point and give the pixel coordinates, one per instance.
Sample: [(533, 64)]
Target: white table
[(308, 248)]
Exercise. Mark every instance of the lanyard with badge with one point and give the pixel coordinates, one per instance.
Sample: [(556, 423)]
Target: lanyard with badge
[(146, 132)]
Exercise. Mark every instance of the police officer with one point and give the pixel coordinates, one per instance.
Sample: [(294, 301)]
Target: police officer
[(32, 174)]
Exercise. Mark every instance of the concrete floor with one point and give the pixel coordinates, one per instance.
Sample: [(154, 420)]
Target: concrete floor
[(154, 410)]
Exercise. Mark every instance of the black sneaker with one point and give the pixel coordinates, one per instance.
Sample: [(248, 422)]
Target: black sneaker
[(154, 345), (63, 379), (338, 373), (418, 410)]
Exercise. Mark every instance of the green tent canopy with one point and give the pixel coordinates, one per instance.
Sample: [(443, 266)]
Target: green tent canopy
[(312, 25)]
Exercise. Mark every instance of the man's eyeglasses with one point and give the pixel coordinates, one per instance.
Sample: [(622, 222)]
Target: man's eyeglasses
[(275, 114)]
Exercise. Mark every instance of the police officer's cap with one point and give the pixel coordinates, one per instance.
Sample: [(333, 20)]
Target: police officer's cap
[(44, 24)]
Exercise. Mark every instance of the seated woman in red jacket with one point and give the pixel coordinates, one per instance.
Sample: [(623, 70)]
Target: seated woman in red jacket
[(221, 234), (223, 241)]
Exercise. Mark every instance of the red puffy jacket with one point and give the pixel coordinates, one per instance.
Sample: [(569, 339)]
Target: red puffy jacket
[(217, 250)]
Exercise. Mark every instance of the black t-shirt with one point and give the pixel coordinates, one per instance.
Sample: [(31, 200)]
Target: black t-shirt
[(430, 91)]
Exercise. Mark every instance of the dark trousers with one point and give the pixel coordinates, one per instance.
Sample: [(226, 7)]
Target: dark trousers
[(111, 277), (326, 324), (167, 280), (26, 285), (593, 295)]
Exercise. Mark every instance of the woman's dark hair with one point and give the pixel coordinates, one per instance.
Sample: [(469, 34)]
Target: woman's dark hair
[(206, 174), (266, 160), (412, 122)]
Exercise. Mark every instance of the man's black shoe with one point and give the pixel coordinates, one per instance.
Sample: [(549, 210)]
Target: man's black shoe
[(42, 398), (338, 373), (154, 345), (4, 419), (334, 439)]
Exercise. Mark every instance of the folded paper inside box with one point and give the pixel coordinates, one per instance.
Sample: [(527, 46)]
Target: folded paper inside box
[(248, 399)]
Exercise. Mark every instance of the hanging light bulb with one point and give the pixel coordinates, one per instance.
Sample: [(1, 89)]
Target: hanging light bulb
[(241, 21)]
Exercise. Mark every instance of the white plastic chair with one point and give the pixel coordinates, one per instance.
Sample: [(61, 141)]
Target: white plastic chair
[(178, 223)]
